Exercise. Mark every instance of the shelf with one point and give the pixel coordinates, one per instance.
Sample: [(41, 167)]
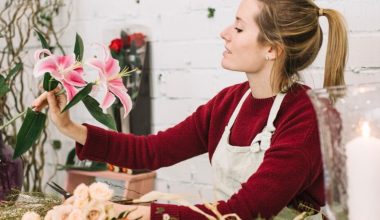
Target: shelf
[(134, 185)]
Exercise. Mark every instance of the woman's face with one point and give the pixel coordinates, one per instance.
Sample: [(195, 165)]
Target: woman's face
[(243, 52)]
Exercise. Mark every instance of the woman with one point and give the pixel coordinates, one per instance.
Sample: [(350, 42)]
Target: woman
[(261, 135)]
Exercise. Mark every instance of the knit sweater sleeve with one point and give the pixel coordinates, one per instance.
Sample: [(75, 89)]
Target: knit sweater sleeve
[(183, 141), (290, 166)]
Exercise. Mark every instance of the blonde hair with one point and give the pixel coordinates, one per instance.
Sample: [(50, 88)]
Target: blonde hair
[(292, 28)]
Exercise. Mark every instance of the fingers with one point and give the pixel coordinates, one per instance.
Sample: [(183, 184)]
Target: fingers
[(51, 99), (40, 102)]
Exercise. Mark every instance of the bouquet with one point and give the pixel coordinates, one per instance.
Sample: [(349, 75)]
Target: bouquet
[(129, 50), (87, 203), (67, 72)]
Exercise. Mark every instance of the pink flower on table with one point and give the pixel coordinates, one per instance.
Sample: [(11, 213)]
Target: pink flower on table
[(76, 214), (110, 77), (31, 216), (81, 196), (65, 69), (100, 192)]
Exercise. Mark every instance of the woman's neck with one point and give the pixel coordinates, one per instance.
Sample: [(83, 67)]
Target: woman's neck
[(260, 84)]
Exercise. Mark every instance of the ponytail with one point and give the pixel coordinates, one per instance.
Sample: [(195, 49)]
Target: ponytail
[(337, 49)]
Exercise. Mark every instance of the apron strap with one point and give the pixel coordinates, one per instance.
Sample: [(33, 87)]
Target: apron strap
[(237, 109), (265, 136)]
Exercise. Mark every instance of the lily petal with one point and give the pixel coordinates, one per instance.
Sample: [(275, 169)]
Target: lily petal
[(71, 91), (58, 76), (37, 54), (96, 63), (125, 99), (118, 82), (111, 67), (74, 78), (65, 61), (44, 65), (108, 100)]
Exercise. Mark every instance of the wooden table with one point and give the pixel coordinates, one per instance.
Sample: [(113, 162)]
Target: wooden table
[(134, 185)]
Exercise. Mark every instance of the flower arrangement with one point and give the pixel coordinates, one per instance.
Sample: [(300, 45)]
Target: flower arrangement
[(87, 203), (66, 71), (128, 50)]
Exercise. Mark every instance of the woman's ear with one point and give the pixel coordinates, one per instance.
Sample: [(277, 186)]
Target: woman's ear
[(274, 52)]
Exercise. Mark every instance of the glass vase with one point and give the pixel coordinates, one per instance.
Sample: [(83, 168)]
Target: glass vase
[(349, 125)]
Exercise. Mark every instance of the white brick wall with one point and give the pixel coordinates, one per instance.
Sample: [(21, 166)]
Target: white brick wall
[(186, 53)]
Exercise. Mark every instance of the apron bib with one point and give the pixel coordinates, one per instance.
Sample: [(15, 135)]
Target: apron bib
[(233, 165)]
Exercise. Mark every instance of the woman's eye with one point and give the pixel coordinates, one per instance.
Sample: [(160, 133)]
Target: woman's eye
[(238, 30)]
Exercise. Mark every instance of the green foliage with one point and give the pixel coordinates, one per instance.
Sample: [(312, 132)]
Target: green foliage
[(78, 48), (18, 67), (211, 12), (4, 88), (42, 39), (4, 81), (29, 132), (49, 82), (79, 96), (56, 144), (93, 107)]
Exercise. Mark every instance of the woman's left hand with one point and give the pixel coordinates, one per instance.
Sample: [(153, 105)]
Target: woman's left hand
[(137, 211)]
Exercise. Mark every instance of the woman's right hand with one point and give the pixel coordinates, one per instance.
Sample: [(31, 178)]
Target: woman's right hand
[(56, 103), (62, 120)]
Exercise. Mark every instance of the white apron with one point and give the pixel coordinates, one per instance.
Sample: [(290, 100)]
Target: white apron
[(233, 165)]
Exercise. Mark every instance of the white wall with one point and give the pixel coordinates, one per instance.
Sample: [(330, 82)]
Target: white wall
[(186, 54)]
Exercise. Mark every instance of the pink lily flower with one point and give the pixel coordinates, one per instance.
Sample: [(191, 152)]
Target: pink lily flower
[(65, 69), (110, 77)]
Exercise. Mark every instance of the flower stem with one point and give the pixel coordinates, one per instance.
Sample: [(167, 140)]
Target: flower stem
[(13, 119), (24, 112)]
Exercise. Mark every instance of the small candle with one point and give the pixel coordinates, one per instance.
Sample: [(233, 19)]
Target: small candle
[(363, 163)]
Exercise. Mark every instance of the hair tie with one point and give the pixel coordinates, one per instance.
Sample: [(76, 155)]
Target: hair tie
[(321, 12)]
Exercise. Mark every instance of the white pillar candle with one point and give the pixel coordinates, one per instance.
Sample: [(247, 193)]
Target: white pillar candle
[(363, 163)]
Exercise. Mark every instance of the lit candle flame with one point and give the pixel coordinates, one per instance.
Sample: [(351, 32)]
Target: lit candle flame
[(366, 130)]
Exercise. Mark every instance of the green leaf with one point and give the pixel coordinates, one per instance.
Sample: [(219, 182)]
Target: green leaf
[(121, 215), (4, 88), (56, 144), (49, 82), (95, 166), (14, 70), (211, 12), (78, 48), (93, 107), (79, 96), (70, 160), (44, 43), (29, 132)]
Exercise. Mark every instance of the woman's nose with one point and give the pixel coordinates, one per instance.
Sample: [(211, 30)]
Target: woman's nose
[(224, 34)]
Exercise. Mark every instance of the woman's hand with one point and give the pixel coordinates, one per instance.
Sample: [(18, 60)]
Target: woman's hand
[(62, 120), (136, 211), (56, 103)]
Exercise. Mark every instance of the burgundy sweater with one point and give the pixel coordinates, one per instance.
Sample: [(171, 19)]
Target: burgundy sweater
[(291, 171)]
